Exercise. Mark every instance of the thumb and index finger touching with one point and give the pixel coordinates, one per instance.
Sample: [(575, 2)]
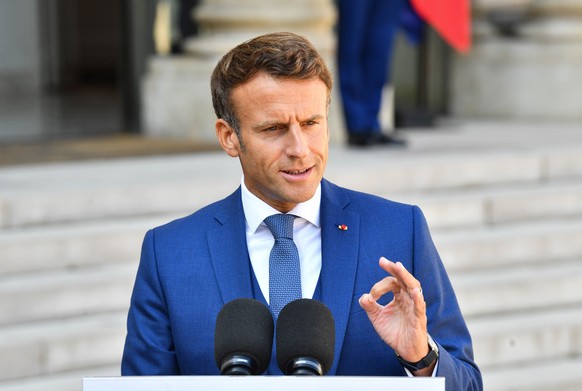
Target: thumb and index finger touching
[(399, 279)]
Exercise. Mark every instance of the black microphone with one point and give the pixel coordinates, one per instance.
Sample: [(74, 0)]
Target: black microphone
[(305, 338), (243, 338)]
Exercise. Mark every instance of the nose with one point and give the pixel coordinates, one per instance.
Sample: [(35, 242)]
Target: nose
[(297, 142)]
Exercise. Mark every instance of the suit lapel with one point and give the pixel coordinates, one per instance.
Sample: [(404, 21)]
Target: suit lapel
[(340, 239), (228, 250)]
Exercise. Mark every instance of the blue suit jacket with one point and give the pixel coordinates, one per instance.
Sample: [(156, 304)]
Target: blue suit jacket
[(192, 266)]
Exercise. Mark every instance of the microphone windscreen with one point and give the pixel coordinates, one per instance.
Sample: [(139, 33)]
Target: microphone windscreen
[(305, 328), (244, 327)]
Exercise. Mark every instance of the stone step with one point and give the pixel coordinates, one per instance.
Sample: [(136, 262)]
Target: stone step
[(562, 374), (107, 287), (521, 288), (503, 220), (559, 374), (400, 171), (469, 228), (510, 244), (81, 191), (66, 381), (524, 338), (61, 345), (520, 339), (473, 257), (65, 293), (74, 245), (48, 194), (497, 204)]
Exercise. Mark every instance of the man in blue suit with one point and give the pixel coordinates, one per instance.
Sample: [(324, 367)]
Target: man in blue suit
[(271, 96)]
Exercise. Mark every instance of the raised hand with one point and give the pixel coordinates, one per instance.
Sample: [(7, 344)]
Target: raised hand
[(402, 322)]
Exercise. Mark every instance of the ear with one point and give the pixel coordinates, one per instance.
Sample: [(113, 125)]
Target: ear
[(227, 138)]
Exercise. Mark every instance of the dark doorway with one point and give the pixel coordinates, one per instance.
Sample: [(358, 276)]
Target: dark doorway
[(87, 70), (83, 54)]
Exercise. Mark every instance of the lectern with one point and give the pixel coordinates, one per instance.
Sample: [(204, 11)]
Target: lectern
[(261, 383)]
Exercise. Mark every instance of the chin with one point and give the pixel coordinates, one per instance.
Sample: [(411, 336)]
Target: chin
[(302, 197)]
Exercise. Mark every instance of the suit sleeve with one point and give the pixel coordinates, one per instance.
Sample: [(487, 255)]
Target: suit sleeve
[(149, 347), (445, 321)]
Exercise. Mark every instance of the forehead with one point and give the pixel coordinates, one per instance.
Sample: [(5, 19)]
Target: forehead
[(263, 82), (263, 91)]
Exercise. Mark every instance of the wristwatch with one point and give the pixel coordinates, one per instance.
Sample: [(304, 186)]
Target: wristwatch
[(424, 362)]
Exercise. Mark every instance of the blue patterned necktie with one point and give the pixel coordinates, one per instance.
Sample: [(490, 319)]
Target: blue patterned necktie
[(284, 267)]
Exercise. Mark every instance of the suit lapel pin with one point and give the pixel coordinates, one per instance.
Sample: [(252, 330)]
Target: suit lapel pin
[(342, 227)]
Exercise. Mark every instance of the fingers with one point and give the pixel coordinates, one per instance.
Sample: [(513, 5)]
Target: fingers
[(406, 280), (407, 283), (388, 284), (402, 323), (368, 303), (368, 300), (400, 280)]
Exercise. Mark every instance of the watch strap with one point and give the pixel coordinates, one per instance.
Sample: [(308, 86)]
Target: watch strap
[(424, 362)]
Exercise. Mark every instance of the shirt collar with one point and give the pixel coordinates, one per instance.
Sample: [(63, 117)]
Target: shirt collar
[(257, 210)]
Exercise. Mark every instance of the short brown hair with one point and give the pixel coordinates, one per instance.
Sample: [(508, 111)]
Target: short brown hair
[(281, 55)]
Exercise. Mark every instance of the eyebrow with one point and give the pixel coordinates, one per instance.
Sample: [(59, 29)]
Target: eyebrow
[(268, 123)]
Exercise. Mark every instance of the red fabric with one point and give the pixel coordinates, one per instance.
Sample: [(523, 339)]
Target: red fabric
[(450, 18)]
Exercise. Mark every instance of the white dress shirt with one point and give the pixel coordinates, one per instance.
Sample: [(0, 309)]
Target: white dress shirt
[(306, 235)]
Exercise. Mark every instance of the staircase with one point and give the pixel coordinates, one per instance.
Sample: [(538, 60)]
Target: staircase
[(504, 202)]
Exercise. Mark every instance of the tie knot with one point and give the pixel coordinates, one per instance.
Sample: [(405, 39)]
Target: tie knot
[(281, 225)]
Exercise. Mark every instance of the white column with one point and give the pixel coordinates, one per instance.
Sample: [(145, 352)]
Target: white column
[(226, 23), (176, 100), (534, 74)]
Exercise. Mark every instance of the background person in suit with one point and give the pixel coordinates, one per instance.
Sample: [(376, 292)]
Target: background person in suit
[(271, 96), (366, 35)]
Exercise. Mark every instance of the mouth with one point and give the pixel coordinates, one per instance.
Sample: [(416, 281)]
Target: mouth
[(297, 172), (299, 175)]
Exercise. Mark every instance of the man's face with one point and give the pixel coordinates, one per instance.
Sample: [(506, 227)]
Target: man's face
[(283, 146)]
